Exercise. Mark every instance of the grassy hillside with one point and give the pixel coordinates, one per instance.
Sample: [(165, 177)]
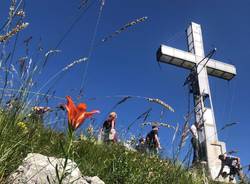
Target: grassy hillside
[(22, 131), (112, 163)]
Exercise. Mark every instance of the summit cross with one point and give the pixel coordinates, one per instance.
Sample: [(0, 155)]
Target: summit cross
[(195, 58)]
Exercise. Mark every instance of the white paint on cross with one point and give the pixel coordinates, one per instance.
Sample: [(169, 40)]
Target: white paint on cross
[(192, 59)]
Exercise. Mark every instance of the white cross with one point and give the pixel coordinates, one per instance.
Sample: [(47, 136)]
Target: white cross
[(190, 60)]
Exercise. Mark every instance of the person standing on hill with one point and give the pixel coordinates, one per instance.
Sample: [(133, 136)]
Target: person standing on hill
[(108, 128), (152, 140), (195, 142), (141, 146)]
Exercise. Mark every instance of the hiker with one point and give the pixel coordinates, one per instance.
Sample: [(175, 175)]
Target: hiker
[(195, 142), (152, 141), (234, 165), (141, 146), (108, 129)]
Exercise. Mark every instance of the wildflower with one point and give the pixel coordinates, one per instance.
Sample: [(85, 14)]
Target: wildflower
[(22, 126), (77, 114)]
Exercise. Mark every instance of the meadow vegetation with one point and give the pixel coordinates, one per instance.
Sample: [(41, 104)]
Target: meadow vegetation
[(112, 163), (23, 130)]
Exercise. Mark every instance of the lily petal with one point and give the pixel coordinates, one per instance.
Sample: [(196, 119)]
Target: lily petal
[(90, 114), (77, 114), (80, 119), (82, 107), (71, 108)]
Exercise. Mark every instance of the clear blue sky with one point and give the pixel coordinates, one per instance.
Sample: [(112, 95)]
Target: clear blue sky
[(127, 63)]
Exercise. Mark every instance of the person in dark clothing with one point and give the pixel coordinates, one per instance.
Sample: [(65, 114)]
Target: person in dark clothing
[(234, 165), (108, 129), (141, 146), (152, 141)]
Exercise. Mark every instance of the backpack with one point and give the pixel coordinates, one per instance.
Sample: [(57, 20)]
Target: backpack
[(150, 139)]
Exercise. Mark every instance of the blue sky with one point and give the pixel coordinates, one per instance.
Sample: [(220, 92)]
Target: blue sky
[(126, 64)]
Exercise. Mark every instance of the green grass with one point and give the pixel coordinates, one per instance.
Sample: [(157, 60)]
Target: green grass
[(112, 163), (22, 133)]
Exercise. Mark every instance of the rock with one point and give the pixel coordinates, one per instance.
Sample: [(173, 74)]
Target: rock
[(40, 169), (93, 180)]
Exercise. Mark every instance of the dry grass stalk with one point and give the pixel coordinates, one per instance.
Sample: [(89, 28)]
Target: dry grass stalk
[(144, 115), (83, 4), (156, 100), (14, 31), (20, 13), (74, 63), (126, 26), (228, 125), (27, 40), (12, 8), (31, 92), (55, 75), (155, 123), (232, 152), (121, 101), (175, 132), (51, 51), (184, 134), (103, 2)]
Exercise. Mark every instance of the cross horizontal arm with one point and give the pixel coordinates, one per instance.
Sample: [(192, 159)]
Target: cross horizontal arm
[(188, 60), (176, 57), (220, 69)]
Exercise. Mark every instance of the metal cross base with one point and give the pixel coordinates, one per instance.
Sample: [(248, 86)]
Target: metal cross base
[(195, 58)]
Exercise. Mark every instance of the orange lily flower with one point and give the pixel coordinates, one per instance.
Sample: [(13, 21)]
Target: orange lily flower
[(77, 114)]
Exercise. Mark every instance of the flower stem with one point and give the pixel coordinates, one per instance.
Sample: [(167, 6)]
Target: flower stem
[(67, 154)]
